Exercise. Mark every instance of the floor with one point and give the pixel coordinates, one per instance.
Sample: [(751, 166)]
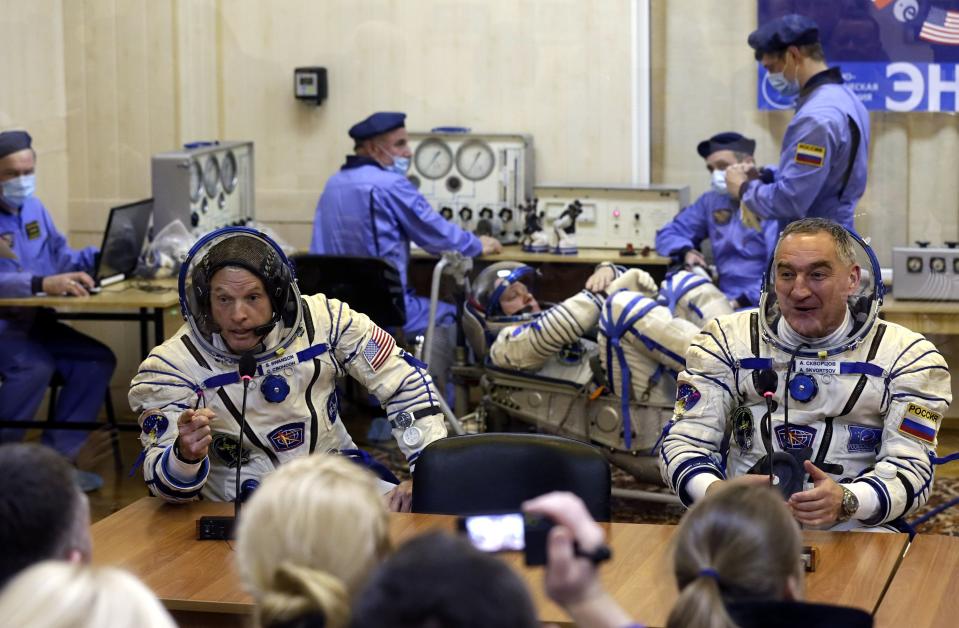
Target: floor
[(126, 486)]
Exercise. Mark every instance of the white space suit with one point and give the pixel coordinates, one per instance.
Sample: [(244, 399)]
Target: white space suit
[(635, 330), (292, 407), (870, 413)]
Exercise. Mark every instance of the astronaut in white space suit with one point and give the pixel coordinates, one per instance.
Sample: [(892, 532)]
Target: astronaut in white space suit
[(238, 296), (635, 330), (856, 402)]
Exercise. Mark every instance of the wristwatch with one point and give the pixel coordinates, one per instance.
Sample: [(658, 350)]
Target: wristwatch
[(850, 504)]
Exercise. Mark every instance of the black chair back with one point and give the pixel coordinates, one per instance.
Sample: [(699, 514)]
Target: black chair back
[(367, 284), (497, 472)]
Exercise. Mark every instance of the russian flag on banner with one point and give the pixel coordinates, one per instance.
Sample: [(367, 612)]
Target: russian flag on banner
[(941, 27), (379, 348)]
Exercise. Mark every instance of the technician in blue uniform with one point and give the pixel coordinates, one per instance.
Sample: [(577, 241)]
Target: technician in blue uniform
[(824, 158), (740, 252), (35, 345), (370, 208)]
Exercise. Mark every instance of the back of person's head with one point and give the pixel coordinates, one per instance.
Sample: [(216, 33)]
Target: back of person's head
[(439, 580), (739, 544), (43, 514), (58, 594), (307, 539)]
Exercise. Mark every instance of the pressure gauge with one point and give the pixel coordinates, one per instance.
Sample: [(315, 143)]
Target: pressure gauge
[(228, 172), (211, 175), (433, 158), (475, 160), (196, 180)]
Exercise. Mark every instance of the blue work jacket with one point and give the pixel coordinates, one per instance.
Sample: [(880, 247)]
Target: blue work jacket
[(818, 175), (367, 210), (741, 254)]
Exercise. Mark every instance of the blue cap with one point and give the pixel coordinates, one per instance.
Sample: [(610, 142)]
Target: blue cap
[(378, 123), (785, 31), (13, 141), (726, 141)]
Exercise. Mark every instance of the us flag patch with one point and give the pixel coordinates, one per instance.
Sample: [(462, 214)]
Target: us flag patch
[(810, 155), (379, 348)]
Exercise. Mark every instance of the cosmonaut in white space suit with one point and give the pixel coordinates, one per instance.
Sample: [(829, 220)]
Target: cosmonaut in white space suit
[(546, 367), (856, 402), (238, 296)]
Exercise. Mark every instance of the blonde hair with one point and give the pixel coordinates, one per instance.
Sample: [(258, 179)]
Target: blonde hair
[(309, 536), (58, 594), (739, 544)]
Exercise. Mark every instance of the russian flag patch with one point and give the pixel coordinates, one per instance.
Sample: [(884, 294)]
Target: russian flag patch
[(920, 423), (810, 155), (379, 348)]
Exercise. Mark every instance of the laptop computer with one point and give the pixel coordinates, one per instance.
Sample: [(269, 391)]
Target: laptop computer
[(123, 240)]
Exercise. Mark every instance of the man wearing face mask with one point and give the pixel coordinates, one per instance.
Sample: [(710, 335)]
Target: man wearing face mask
[(740, 252), (824, 157), (35, 345), (370, 208)]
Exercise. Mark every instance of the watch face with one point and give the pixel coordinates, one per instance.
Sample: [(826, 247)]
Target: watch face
[(404, 420)]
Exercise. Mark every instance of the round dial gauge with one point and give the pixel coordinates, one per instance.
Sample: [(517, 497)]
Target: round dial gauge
[(228, 172), (433, 158), (475, 160), (211, 175), (196, 180)]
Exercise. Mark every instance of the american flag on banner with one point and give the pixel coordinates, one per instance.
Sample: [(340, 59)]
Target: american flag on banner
[(941, 27), (379, 348)]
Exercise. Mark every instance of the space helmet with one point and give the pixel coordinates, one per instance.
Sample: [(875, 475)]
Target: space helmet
[(253, 251), (483, 318), (864, 301)]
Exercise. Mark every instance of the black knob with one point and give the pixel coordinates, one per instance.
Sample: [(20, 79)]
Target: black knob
[(922, 243), (952, 244), (194, 219)]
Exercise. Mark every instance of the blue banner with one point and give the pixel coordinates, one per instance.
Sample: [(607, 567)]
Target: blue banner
[(897, 55)]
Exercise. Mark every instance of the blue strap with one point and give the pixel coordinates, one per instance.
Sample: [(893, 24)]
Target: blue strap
[(845, 368), (225, 379), (757, 364), (673, 292), (614, 333), (944, 460)]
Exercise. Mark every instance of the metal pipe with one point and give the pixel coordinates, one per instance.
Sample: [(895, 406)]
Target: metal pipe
[(434, 299)]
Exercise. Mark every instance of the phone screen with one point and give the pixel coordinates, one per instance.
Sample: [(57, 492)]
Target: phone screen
[(495, 533)]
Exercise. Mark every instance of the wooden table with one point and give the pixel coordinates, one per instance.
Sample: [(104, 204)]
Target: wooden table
[(515, 253), (198, 580), (925, 589), (151, 298)]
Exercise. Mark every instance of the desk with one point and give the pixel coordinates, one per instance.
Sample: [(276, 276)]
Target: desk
[(199, 581), (515, 253), (924, 317), (925, 589), (150, 297)]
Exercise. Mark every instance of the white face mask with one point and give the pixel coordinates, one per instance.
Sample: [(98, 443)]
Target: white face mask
[(781, 84), (718, 182)]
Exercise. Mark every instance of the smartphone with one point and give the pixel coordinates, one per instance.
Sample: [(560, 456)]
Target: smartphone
[(509, 532)]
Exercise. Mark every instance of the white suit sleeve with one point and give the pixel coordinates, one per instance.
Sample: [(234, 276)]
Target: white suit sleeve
[(918, 390), (160, 391), (705, 398), (528, 346), (398, 380)]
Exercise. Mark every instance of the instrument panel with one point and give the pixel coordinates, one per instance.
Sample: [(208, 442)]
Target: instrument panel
[(477, 180), (206, 186)]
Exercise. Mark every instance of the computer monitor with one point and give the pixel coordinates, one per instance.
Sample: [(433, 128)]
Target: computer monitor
[(123, 241)]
